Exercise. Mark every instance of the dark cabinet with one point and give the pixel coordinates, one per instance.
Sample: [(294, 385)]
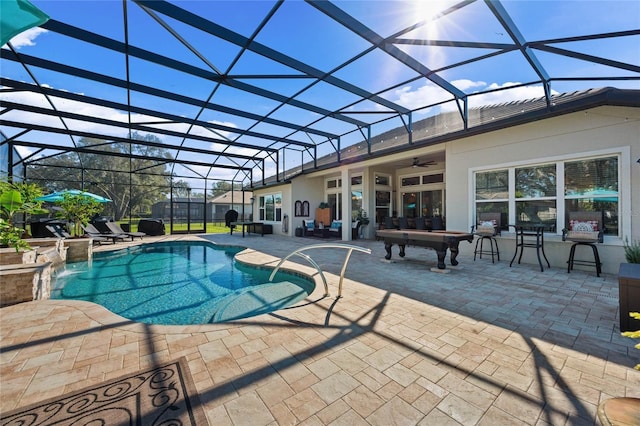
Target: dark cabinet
[(629, 295)]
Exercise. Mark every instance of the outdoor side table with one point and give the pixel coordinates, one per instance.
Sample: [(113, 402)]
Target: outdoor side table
[(531, 235)]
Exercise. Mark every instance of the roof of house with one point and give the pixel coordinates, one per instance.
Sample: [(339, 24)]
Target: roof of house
[(449, 125)]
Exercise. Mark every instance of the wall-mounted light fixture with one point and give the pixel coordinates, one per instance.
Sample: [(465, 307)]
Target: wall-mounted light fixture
[(252, 200)]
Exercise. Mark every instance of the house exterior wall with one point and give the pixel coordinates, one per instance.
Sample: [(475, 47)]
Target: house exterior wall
[(599, 130), (287, 208)]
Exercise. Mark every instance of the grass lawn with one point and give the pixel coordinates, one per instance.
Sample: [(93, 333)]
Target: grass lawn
[(212, 228)]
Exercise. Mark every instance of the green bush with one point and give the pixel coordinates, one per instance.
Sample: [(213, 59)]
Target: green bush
[(632, 251)]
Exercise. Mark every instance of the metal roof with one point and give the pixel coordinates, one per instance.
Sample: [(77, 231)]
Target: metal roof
[(245, 90)]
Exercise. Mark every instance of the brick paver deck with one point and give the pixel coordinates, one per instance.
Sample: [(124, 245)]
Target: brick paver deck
[(485, 344)]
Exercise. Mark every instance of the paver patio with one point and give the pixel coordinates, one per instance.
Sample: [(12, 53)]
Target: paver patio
[(485, 344)]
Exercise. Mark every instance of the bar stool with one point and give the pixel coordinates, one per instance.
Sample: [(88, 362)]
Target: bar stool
[(585, 229), (487, 228)]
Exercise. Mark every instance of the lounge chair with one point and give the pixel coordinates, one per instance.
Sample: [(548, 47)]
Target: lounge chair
[(93, 232), (60, 232), (116, 229)]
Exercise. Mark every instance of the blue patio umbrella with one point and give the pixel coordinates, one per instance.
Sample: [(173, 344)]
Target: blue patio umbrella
[(601, 195), (59, 196)]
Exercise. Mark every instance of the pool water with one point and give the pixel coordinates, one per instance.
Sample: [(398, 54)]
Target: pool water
[(188, 282)]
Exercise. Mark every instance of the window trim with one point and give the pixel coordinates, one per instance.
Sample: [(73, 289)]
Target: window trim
[(624, 184), (262, 213)]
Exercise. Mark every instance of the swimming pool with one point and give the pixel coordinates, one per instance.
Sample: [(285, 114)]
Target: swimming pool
[(185, 282)]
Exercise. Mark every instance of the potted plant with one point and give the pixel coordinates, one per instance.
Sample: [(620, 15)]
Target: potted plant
[(364, 221), (17, 198), (632, 251), (629, 286), (78, 210)]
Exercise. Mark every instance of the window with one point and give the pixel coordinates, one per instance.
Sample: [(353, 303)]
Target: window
[(535, 191), (410, 181), (592, 185), (492, 194), (436, 178), (546, 193), (356, 203), (383, 197), (270, 207), (335, 203), (382, 180), (334, 183)]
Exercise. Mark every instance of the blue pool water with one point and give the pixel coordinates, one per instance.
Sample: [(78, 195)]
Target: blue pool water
[(188, 282)]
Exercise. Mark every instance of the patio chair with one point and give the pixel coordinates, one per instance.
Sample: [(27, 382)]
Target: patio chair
[(335, 230), (60, 232), (421, 223), (388, 223), (116, 229), (93, 232), (308, 225), (437, 223), (585, 229), (487, 228), (403, 223)]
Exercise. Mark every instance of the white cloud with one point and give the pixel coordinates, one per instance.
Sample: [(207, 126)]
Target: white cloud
[(27, 38), (430, 94)]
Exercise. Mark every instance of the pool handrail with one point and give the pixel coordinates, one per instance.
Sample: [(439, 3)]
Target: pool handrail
[(298, 252)]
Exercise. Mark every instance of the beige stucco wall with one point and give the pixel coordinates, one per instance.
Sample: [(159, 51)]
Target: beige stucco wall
[(600, 130), (304, 188)]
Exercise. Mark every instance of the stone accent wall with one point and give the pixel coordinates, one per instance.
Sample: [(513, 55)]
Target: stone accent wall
[(79, 249), (23, 283), (9, 256)]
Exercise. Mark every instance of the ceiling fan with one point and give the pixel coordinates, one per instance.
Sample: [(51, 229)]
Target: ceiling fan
[(417, 163)]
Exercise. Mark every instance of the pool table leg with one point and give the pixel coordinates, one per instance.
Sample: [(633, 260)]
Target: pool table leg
[(454, 253), (401, 252), (441, 255), (387, 248)]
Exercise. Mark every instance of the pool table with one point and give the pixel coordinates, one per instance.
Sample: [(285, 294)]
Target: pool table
[(439, 241)]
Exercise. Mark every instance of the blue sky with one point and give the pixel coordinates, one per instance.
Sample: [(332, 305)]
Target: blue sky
[(307, 35)]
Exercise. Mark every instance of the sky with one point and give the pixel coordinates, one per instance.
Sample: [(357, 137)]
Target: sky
[(305, 34)]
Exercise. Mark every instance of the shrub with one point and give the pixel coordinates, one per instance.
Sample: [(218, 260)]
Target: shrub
[(632, 251)]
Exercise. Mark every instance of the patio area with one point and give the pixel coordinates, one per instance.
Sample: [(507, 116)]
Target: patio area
[(484, 344)]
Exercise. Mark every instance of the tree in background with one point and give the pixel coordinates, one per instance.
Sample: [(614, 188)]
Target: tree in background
[(78, 210), (224, 186), (109, 174)]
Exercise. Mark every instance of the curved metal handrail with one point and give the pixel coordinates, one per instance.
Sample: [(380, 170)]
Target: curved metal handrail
[(298, 252)]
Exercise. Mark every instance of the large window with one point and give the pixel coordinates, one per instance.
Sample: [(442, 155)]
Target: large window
[(423, 195), (546, 193), (270, 207), (592, 185), (535, 190)]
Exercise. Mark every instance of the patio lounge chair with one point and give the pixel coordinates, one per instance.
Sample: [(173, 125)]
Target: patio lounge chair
[(60, 232), (116, 229), (93, 232)]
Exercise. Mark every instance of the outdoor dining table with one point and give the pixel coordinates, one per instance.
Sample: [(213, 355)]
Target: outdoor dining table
[(525, 234)]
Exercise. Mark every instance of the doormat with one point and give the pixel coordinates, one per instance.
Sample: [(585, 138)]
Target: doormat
[(160, 395)]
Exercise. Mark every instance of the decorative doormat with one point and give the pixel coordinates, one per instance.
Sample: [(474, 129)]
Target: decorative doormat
[(161, 395)]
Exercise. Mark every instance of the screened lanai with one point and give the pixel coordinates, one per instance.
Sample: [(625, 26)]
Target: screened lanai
[(178, 98)]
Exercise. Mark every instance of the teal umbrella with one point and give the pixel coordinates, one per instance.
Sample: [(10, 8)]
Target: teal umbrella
[(59, 196), (18, 16)]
